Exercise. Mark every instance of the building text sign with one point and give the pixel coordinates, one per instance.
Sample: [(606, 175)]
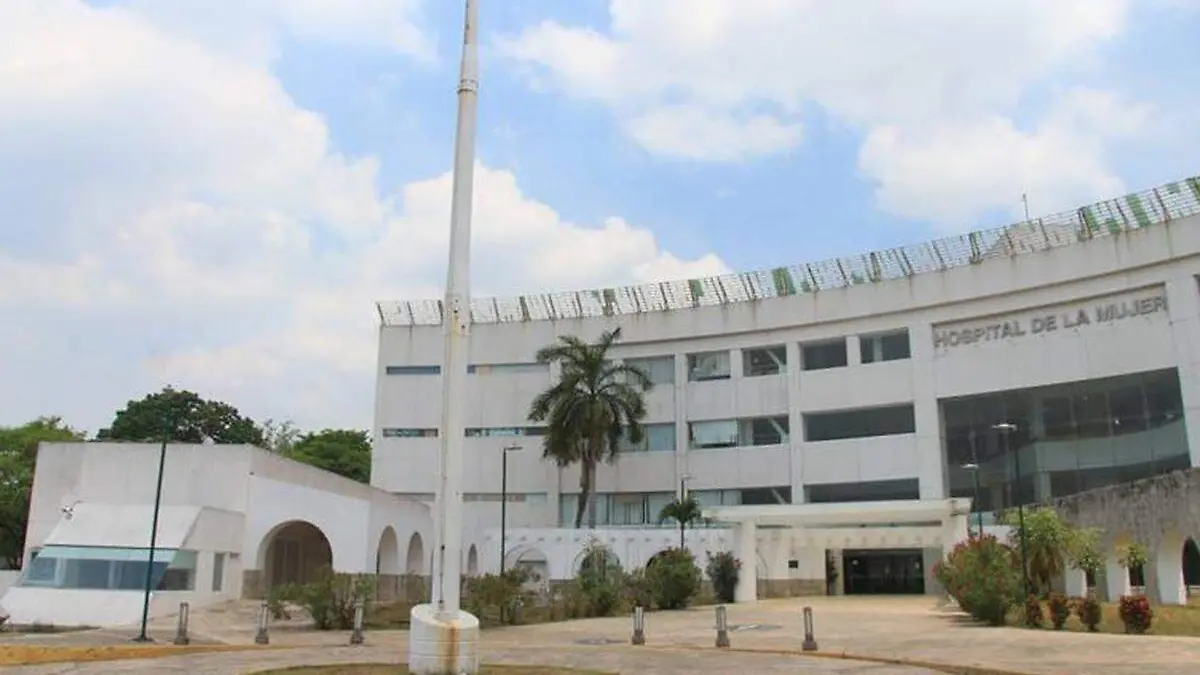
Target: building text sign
[(1102, 311)]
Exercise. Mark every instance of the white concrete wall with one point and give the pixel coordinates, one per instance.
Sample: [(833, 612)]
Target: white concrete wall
[(1153, 261)]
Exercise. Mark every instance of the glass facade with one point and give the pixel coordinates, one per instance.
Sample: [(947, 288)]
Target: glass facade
[(109, 568), (1029, 445)]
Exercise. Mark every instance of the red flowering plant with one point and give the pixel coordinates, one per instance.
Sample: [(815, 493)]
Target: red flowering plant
[(1136, 613), (982, 574), (1089, 612), (1034, 616), (1060, 610)]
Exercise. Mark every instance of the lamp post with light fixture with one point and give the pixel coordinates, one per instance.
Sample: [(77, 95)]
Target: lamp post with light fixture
[(512, 447), (974, 469), (1007, 428)]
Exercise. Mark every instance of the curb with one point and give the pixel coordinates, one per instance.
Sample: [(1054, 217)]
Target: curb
[(948, 668), (48, 654)]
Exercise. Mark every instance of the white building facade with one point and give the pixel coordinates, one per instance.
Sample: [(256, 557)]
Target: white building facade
[(844, 416), (234, 521)]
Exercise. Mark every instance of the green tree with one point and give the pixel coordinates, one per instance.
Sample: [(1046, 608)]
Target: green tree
[(280, 437), (1052, 544), (594, 404), (684, 512), (185, 417), (345, 452), (18, 455)]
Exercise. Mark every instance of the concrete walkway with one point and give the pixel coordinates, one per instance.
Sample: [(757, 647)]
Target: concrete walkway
[(910, 629)]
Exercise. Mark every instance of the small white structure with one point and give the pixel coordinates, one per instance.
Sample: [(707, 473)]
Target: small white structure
[(234, 521)]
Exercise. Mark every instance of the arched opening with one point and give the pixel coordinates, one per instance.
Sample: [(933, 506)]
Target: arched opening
[(532, 561), (597, 557), (387, 555), (415, 560), (472, 562), (294, 553), (1191, 565), (654, 559)]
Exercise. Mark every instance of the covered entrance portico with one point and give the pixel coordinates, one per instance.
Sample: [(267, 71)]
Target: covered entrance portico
[(926, 525)]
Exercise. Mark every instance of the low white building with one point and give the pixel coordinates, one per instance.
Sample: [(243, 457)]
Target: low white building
[(234, 520)]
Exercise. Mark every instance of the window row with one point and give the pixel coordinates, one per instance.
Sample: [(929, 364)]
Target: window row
[(474, 369), (733, 433), (625, 509), (110, 568)]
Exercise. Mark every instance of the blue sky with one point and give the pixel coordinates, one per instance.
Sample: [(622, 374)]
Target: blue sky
[(213, 198)]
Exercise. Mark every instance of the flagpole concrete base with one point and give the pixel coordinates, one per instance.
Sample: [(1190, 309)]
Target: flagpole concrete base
[(442, 645)]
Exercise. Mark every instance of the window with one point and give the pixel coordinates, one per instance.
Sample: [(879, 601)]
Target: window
[(393, 432), (491, 432), (766, 495), (764, 361), (660, 369), (655, 438), (218, 579), (714, 434), (869, 491), (823, 355), (764, 431), (414, 370), (864, 423), (706, 366), (505, 368), (110, 568), (885, 347)]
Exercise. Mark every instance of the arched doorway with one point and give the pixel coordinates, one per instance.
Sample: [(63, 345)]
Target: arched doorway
[(472, 562), (1191, 565), (294, 553), (415, 559), (387, 555)]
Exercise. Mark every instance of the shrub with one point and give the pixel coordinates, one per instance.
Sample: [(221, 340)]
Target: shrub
[(1136, 613), (497, 596), (723, 570), (983, 575), (600, 581), (1089, 612), (637, 590), (330, 599), (674, 578), (1034, 616), (1060, 610), (278, 599)]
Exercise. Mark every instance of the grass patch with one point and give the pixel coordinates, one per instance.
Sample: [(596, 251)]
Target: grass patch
[(24, 655), (1174, 620), (385, 669)]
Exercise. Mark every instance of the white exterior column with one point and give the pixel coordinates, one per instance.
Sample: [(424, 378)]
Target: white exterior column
[(681, 424), (1075, 583), (931, 464), (1116, 578), (795, 422), (746, 533), (1168, 570), (853, 350), (1183, 306)]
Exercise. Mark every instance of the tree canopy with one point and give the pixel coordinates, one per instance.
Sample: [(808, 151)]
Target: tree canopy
[(18, 454), (594, 404), (343, 451), (182, 416)]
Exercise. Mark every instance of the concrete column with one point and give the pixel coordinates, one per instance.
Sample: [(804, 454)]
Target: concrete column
[(1041, 486), (955, 527), (795, 422), (839, 564), (1116, 579), (1183, 304), (1168, 573), (931, 456), (746, 534), (929, 558), (736, 370), (681, 416), (853, 350), (1075, 583)]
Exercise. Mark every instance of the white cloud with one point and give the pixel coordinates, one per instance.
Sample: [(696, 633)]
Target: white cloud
[(940, 89), (172, 215)]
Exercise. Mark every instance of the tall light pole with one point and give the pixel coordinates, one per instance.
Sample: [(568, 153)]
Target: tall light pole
[(434, 626), (162, 465), (512, 447), (1006, 428), (974, 469)]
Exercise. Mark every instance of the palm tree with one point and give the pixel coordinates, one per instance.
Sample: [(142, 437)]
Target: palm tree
[(683, 511), (594, 405)]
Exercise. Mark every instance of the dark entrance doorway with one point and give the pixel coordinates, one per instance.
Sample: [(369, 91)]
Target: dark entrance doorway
[(884, 572)]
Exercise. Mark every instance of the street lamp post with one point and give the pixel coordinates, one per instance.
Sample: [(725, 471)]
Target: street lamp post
[(513, 447), (974, 469), (683, 497), (1007, 428), (162, 463)]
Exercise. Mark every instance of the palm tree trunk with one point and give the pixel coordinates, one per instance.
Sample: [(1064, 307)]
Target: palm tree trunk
[(590, 472), (682, 544), (585, 488)]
